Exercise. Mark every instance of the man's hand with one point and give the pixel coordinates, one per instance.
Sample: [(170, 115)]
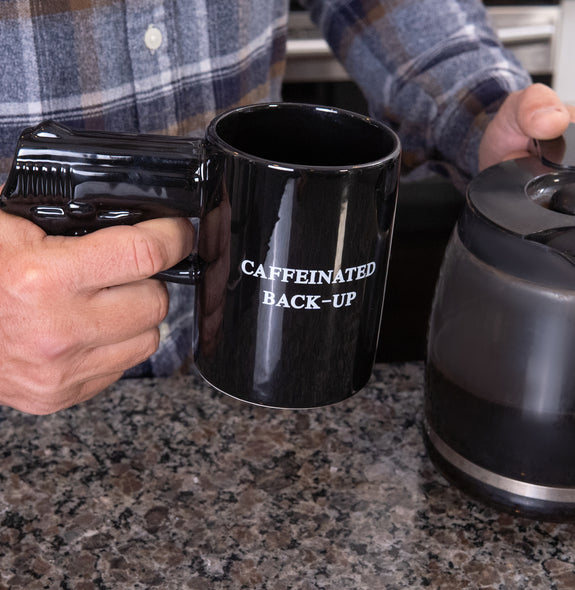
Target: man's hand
[(76, 312), (535, 112)]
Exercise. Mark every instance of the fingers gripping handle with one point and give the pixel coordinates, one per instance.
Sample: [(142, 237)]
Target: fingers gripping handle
[(72, 182)]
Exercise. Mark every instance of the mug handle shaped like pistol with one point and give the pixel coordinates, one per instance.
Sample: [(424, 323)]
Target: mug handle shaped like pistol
[(72, 182)]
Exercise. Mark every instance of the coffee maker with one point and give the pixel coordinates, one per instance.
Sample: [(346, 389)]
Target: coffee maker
[(500, 372)]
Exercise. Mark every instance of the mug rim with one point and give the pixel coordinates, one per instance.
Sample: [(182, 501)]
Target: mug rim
[(394, 154)]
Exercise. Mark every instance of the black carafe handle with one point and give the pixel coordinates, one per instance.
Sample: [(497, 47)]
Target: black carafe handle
[(557, 153)]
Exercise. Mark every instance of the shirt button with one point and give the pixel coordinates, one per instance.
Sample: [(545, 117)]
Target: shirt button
[(153, 38)]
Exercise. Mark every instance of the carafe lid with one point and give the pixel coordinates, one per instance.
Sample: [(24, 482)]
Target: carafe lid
[(520, 214)]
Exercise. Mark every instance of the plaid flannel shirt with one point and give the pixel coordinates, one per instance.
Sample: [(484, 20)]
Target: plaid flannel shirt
[(432, 68)]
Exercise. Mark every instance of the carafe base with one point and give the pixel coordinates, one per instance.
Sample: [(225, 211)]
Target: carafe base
[(520, 498)]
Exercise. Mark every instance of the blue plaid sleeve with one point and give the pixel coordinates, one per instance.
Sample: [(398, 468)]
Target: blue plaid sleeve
[(86, 63), (434, 69)]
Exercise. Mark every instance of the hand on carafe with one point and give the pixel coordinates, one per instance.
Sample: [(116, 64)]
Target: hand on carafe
[(535, 112)]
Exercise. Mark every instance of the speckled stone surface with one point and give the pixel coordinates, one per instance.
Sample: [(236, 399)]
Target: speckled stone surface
[(168, 484)]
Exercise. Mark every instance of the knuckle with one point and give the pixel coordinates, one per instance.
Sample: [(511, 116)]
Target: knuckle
[(154, 341), (148, 344), (45, 393), (53, 345), (141, 348), (149, 256), (161, 302), (32, 283)]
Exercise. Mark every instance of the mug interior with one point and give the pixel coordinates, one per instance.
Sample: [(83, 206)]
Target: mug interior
[(306, 135)]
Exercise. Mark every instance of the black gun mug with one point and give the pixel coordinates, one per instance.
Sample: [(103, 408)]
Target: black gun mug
[(296, 205)]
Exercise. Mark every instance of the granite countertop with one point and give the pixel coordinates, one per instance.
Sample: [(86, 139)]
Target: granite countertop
[(168, 484)]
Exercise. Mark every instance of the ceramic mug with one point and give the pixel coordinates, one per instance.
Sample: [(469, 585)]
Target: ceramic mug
[(296, 206)]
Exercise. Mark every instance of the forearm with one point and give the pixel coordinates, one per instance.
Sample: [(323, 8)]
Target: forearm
[(433, 69)]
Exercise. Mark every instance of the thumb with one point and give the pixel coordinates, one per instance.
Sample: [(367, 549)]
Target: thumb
[(540, 113), (535, 112)]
